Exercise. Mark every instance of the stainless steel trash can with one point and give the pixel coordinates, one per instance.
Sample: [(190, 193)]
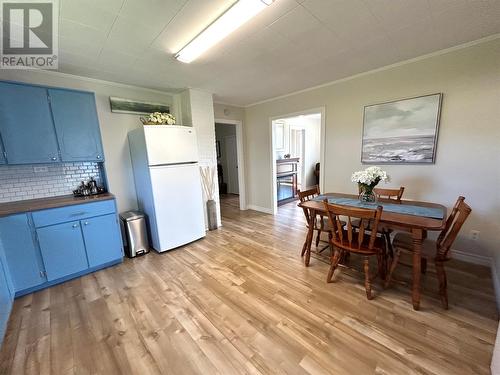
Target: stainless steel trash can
[(135, 233)]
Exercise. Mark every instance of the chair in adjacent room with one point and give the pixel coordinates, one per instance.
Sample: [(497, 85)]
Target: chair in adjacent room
[(438, 250), (346, 239)]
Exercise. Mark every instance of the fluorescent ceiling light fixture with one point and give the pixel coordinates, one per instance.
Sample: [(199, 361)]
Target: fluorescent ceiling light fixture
[(239, 13)]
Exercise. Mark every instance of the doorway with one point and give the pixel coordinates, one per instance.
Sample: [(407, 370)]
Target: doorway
[(297, 149), (230, 168)]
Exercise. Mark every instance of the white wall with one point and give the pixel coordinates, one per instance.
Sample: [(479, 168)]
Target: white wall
[(468, 151), (200, 112), (229, 112), (114, 126)]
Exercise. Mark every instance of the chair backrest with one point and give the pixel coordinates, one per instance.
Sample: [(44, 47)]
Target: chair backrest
[(392, 194), (454, 223), (305, 196), (345, 236)]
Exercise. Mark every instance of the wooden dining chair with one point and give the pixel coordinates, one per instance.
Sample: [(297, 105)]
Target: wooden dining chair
[(392, 194), (320, 223), (438, 250), (347, 239)]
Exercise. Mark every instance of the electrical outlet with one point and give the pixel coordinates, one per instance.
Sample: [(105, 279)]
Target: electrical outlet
[(40, 169), (474, 235)]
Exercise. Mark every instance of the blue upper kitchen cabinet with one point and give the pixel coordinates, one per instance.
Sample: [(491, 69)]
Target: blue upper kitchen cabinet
[(102, 239), (63, 250), (26, 125), (20, 251), (77, 125)]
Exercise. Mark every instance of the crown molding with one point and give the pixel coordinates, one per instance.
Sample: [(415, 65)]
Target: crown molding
[(383, 68), (101, 81)]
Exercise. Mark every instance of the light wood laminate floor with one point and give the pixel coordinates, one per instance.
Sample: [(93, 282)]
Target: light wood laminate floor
[(241, 301)]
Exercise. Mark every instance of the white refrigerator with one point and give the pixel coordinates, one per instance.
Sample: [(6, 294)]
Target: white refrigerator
[(168, 183)]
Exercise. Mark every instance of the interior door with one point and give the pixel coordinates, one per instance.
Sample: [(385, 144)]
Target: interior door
[(178, 205), (26, 125), (231, 149), (63, 250), (77, 125), (102, 239)]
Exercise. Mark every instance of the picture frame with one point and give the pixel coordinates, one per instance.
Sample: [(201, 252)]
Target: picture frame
[(402, 131), (136, 107)]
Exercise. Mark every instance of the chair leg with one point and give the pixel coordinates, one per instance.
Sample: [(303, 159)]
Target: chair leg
[(318, 238), (443, 284), (423, 266), (330, 236), (368, 283), (394, 263), (333, 266), (304, 246), (387, 236)]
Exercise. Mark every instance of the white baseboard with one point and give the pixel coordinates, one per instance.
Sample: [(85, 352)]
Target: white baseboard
[(472, 258), (260, 209)]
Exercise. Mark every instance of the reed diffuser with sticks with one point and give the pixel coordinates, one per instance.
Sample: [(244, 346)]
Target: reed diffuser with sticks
[(208, 181)]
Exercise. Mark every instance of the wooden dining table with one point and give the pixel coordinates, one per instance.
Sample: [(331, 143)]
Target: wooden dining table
[(418, 226)]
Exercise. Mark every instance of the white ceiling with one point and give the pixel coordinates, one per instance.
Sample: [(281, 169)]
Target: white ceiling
[(292, 45)]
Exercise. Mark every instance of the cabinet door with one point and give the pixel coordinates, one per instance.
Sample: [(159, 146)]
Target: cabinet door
[(77, 125), (102, 239), (21, 253), (62, 248), (2, 153), (26, 125), (5, 299)]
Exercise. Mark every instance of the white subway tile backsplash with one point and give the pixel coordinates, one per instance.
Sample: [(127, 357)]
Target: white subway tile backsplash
[(19, 182)]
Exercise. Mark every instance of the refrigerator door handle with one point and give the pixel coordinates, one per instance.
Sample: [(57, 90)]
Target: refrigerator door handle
[(173, 164)]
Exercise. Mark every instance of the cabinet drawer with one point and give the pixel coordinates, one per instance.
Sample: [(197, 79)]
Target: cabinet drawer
[(70, 213)]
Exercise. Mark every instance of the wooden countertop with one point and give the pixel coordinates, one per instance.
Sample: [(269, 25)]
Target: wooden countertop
[(29, 205)]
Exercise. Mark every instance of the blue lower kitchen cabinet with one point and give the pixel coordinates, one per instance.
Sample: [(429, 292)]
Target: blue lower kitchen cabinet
[(6, 295), (102, 239), (21, 252), (47, 247), (63, 249)]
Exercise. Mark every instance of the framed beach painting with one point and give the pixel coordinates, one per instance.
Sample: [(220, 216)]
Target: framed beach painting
[(401, 132), (136, 107)]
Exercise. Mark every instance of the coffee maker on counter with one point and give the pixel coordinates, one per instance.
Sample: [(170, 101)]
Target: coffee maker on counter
[(88, 188)]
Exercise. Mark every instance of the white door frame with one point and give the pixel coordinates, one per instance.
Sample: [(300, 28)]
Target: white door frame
[(322, 111), (241, 158)]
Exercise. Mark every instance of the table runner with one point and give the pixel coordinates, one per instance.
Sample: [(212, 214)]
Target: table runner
[(406, 209)]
